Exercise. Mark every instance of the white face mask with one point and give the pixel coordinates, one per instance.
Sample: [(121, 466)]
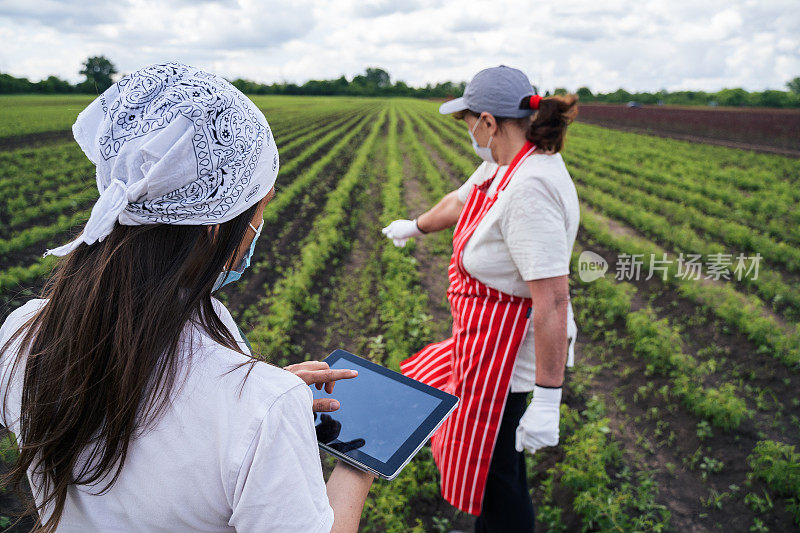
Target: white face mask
[(484, 152)]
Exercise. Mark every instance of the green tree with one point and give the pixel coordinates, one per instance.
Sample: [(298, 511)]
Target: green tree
[(732, 97), (618, 96), (771, 98), (794, 85), (379, 77), (53, 84), (98, 71), (585, 94)]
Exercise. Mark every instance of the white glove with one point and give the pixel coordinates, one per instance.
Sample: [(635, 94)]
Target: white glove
[(401, 230), (538, 427)]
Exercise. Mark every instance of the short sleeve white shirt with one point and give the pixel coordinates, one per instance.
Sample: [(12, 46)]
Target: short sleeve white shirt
[(527, 234), (216, 461)]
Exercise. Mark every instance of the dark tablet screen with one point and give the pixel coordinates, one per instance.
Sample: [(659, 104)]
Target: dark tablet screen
[(384, 416)]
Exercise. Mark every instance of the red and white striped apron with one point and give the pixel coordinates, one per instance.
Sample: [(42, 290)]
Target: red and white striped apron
[(476, 363)]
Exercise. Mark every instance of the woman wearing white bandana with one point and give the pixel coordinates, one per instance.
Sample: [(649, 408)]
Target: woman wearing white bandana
[(131, 390)]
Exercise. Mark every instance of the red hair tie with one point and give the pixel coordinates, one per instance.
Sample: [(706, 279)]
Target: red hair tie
[(534, 101)]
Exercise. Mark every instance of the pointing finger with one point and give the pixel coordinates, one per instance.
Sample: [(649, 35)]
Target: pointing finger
[(324, 376)]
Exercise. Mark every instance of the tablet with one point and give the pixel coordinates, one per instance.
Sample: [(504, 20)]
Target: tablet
[(384, 418)]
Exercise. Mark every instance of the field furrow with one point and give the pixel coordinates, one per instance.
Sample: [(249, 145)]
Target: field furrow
[(681, 413)]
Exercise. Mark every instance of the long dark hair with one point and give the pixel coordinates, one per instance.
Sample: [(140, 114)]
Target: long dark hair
[(103, 352)]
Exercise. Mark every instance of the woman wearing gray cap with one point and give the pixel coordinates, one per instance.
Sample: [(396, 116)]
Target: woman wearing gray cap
[(135, 398), (515, 220)]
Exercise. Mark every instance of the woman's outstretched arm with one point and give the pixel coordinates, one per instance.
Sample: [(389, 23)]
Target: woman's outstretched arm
[(442, 215)]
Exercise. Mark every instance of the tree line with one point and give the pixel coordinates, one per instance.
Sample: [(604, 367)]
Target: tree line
[(98, 72), (726, 97)]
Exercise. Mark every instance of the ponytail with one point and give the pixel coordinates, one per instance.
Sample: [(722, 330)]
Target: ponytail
[(548, 128)]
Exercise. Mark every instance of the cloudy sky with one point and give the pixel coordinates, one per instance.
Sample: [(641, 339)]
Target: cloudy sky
[(644, 45)]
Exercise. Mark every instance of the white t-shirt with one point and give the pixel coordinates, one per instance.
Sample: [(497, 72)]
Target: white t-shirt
[(215, 461), (527, 234)]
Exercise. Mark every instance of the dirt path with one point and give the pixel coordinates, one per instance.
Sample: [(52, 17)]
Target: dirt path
[(349, 319), (760, 148), (280, 248), (432, 267)]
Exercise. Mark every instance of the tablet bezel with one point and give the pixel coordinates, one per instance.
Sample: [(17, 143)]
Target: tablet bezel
[(392, 467)]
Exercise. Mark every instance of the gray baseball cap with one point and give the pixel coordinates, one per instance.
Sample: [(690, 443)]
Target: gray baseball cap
[(496, 90)]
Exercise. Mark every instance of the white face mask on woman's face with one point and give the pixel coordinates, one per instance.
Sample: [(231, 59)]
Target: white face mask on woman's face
[(484, 152)]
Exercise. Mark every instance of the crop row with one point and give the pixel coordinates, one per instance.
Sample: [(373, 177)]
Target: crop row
[(16, 275), (766, 209), (289, 191), (32, 177), (435, 182), (590, 454), (29, 171), (722, 166), (745, 312), (639, 213), (687, 209), (778, 464), (404, 306), (660, 345), (406, 326), (68, 189), (604, 309), (292, 293), (434, 139)]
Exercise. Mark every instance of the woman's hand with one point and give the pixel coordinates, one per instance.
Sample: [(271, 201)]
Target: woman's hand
[(319, 374), (402, 230), (539, 426), (443, 215)]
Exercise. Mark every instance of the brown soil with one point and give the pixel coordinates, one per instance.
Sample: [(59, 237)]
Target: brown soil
[(348, 321), (760, 148), (432, 268), (760, 129), (683, 490), (34, 140), (281, 244)]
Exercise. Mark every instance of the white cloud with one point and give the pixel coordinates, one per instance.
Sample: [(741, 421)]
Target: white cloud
[(639, 46)]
